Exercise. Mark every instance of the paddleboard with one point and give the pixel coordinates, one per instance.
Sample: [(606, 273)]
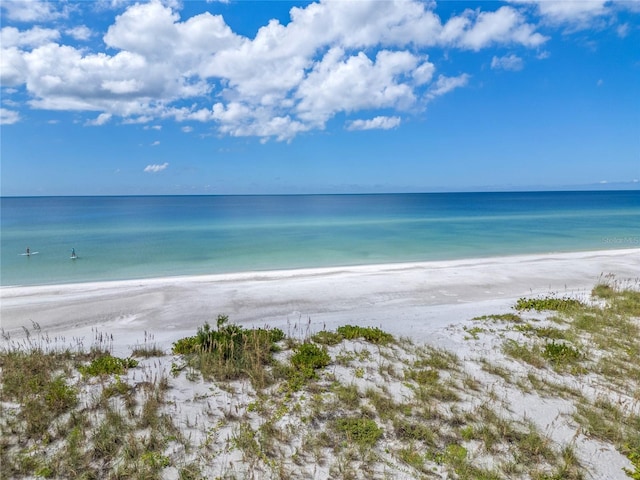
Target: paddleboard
[(73, 258), (29, 254)]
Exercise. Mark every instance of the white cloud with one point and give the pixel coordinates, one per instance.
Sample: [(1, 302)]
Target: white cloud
[(187, 129), (8, 117), (102, 119), (13, 68), (504, 26), (331, 57), (508, 62), (81, 32), (34, 37), (339, 83), (156, 143), (155, 168), (622, 30), (577, 15), (380, 122), (446, 84), (31, 10)]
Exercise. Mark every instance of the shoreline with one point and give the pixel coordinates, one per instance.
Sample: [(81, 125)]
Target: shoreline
[(318, 269), (311, 271), (410, 299)]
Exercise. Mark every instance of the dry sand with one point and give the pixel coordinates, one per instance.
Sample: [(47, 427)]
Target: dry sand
[(415, 299)]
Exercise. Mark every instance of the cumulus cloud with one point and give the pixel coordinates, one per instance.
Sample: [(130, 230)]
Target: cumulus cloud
[(576, 15), (331, 58), (155, 168), (33, 37), (504, 26), (380, 123), (508, 62), (31, 10), (80, 32), (8, 117)]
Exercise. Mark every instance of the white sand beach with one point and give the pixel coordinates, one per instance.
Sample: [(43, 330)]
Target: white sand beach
[(430, 303), (415, 299)]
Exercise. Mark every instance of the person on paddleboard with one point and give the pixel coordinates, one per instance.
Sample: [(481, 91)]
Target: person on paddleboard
[(28, 252), (73, 253)]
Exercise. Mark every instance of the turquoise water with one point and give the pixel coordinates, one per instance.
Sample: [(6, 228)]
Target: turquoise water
[(138, 237)]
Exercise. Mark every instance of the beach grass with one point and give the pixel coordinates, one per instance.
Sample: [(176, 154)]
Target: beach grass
[(357, 402)]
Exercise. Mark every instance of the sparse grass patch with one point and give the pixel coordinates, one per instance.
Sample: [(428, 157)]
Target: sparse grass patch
[(415, 431), (362, 432), (325, 337), (505, 317), (412, 457), (528, 354), (550, 333), (348, 396), (438, 359), (473, 332), (609, 423), (495, 369)]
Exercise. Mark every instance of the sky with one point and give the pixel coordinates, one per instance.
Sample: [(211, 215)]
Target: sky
[(113, 97)]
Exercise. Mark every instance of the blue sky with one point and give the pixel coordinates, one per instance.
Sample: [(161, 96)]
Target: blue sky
[(195, 97)]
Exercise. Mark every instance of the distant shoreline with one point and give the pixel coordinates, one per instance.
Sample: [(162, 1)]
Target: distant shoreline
[(614, 187)]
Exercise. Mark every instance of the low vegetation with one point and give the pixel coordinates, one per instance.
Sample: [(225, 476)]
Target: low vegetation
[(352, 403)]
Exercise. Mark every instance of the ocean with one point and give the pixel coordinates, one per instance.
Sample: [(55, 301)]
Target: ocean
[(132, 237)]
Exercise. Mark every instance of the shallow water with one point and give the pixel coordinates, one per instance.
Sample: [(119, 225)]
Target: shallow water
[(139, 237)]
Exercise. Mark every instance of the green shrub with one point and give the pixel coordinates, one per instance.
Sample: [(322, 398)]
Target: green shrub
[(560, 352), (360, 431), (370, 334), (310, 356), (185, 346), (633, 454), (547, 303), (230, 351), (107, 365)]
